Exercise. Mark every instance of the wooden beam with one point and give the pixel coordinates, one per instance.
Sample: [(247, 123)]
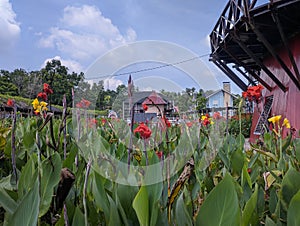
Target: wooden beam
[(257, 77), (230, 74), (259, 62), (271, 50)]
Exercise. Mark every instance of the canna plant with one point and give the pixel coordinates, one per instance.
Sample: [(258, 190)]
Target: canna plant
[(75, 171)]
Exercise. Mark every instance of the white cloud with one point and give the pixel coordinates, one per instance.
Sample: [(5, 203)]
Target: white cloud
[(85, 34), (111, 83), (72, 65), (9, 27)]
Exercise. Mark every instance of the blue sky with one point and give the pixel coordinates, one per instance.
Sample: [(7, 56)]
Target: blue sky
[(78, 32)]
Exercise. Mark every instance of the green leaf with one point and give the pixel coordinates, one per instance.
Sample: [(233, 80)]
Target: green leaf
[(250, 208), (237, 161), (221, 206), (5, 183), (7, 202), (293, 216), (182, 216), (290, 185), (141, 206), (25, 181), (78, 218), (99, 194), (114, 218), (50, 175), (245, 176), (28, 209), (269, 222)]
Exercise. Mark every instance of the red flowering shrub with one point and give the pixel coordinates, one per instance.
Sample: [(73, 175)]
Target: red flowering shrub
[(143, 130)]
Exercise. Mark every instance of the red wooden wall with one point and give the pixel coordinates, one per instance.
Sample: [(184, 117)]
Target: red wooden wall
[(286, 103)]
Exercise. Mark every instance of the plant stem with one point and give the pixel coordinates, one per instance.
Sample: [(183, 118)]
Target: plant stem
[(13, 141), (145, 152), (88, 168)]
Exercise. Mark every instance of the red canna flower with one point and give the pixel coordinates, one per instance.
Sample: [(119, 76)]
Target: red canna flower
[(10, 102), (189, 124), (167, 122), (145, 107), (103, 121), (143, 130), (159, 154), (47, 89), (253, 93), (42, 95), (83, 103), (92, 122), (217, 115)]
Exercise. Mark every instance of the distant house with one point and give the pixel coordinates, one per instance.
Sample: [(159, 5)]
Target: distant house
[(157, 104), (221, 100)]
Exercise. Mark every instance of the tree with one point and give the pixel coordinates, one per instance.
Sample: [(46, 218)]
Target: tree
[(6, 85), (56, 75), (201, 100)]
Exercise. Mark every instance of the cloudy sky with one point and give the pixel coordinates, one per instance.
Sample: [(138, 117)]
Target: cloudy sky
[(80, 32)]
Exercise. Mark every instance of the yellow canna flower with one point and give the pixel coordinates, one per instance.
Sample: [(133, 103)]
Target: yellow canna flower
[(275, 119), (35, 103), (43, 104), (203, 117), (286, 123)]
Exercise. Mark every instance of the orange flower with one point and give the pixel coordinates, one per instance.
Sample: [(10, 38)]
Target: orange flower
[(10, 102), (143, 130)]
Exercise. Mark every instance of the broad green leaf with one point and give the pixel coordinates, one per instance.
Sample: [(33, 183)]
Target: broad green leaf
[(50, 175), (237, 161), (25, 181), (126, 195), (99, 194), (245, 176), (182, 216), (250, 208), (78, 218), (154, 213), (114, 218), (121, 210), (290, 185), (221, 206), (7, 202), (293, 216), (26, 213), (141, 206), (5, 183), (269, 222)]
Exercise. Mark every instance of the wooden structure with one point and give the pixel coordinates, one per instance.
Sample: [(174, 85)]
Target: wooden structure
[(261, 44)]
